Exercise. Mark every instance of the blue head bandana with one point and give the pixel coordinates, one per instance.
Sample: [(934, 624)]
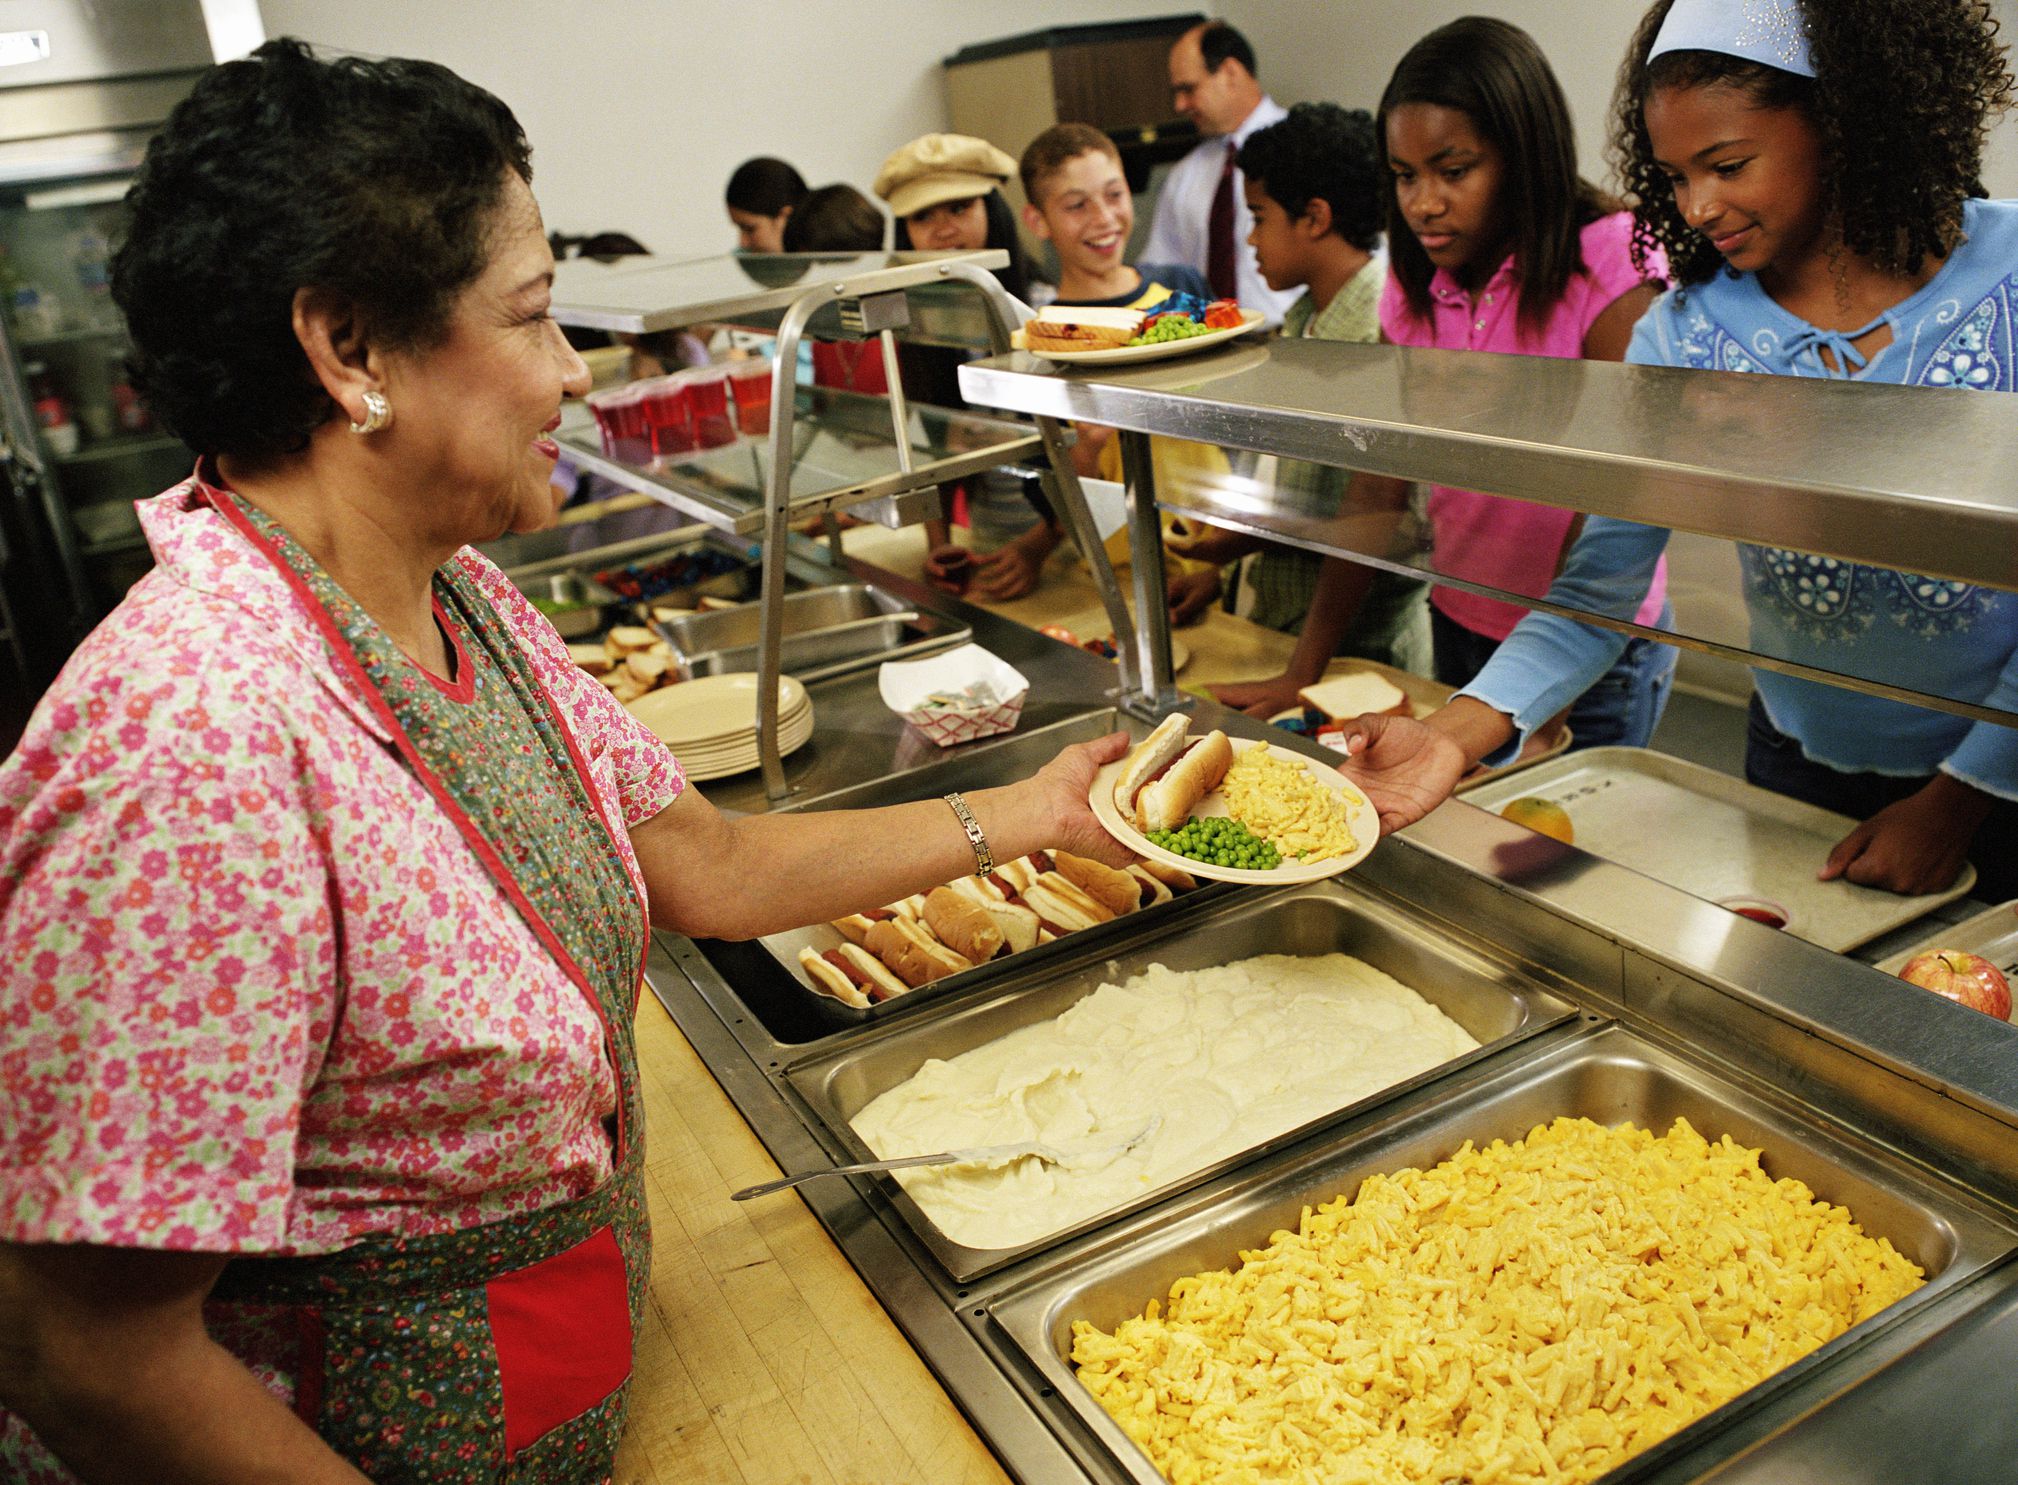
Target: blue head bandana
[(1772, 33)]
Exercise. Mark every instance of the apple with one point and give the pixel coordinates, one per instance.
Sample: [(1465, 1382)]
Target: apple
[(1969, 978)]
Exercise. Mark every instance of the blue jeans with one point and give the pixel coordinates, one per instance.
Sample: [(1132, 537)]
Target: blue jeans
[(1773, 760), (1621, 709)]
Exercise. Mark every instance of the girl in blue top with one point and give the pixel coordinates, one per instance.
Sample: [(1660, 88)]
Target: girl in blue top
[(1811, 177)]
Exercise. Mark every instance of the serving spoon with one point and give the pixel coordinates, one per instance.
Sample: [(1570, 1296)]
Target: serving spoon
[(1079, 1157)]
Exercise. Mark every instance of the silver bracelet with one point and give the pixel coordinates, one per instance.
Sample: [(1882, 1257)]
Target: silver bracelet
[(984, 859)]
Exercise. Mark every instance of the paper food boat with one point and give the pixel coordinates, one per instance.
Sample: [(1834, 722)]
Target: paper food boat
[(906, 684)]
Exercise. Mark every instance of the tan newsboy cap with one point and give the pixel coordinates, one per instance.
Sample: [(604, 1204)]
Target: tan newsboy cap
[(940, 167)]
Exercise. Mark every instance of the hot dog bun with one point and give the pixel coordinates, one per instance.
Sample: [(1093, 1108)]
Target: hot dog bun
[(1114, 890), (855, 927), (962, 925), (1061, 908), (1150, 891), (850, 974), (1149, 758), (1176, 878), (910, 950), (1168, 803)]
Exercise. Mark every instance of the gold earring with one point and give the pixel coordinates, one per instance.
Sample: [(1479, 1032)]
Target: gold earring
[(377, 414)]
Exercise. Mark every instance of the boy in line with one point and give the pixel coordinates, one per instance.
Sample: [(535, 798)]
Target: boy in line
[(1313, 183), (1077, 199)]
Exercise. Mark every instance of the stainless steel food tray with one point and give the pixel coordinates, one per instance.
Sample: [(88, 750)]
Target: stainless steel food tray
[(1715, 836), (1486, 996), (979, 767), (824, 629), (1609, 1075)]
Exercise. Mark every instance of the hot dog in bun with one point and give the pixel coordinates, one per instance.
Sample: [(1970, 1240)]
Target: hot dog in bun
[(1168, 803), (1148, 759), (1114, 890), (913, 953), (850, 974), (962, 925)]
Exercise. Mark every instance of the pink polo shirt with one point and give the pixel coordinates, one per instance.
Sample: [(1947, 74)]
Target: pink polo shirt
[(1513, 545)]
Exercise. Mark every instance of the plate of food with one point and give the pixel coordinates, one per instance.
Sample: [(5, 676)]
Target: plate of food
[(1234, 809), (1115, 337)]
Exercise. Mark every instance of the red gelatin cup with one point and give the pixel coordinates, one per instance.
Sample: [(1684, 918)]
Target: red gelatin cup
[(620, 419), (669, 411), (709, 389), (751, 382)]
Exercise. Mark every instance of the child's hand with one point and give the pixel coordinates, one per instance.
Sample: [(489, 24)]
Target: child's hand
[(1261, 699), (1207, 543), (1915, 846), (1191, 595)]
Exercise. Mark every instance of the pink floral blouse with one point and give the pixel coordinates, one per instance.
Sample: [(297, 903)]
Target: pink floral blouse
[(260, 997)]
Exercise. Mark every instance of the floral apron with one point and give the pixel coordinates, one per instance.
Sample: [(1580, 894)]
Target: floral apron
[(501, 1353)]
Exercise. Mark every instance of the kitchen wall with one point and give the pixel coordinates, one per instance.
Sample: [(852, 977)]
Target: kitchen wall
[(1345, 53), (638, 111)]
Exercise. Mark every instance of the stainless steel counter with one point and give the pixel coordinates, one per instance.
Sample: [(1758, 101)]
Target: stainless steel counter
[(1891, 476), (1925, 1089)]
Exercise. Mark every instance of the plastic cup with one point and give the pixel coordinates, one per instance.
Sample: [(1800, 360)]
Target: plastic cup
[(669, 414), (751, 383), (950, 567), (709, 389), (620, 419)]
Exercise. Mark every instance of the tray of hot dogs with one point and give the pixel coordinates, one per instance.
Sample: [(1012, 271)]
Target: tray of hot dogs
[(953, 934)]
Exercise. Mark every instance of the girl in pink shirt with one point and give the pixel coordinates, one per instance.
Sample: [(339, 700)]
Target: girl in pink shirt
[(1495, 244)]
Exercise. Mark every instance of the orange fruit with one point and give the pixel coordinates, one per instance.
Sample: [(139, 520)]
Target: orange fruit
[(1544, 816)]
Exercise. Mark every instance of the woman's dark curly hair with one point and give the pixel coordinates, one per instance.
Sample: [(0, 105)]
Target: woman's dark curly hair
[(1495, 74), (1327, 153), (375, 181), (1902, 99)]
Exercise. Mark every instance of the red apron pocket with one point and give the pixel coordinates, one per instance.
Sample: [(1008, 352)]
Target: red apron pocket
[(562, 1329)]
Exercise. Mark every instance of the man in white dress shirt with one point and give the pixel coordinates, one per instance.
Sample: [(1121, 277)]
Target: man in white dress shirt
[(1201, 211)]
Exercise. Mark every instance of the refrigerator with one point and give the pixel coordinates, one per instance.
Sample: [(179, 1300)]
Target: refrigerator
[(83, 85)]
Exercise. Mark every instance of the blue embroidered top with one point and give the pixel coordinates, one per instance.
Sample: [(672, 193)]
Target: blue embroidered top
[(1945, 638)]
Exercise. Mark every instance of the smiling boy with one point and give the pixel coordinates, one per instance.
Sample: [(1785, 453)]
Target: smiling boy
[(1078, 200), (1313, 184)]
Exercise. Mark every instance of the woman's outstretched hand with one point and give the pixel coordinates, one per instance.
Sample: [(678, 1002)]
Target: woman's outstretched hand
[(1058, 794), (1406, 768)]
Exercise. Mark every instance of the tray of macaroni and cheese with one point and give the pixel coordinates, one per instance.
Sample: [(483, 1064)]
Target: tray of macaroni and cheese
[(1598, 1252), (1237, 1027)]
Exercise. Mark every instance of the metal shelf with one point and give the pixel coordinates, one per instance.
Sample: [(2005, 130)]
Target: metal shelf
[(1889, 476), (845, 452), (642, 298)]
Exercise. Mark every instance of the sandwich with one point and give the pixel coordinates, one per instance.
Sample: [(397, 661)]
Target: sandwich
[(851, 974), (1356, 693), (910, 949), (1168, 801), (1064, 328)]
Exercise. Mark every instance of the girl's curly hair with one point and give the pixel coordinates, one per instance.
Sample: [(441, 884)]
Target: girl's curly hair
[(1903, 98)]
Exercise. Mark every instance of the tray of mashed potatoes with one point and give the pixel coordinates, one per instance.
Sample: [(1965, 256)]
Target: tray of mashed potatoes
[(1603, 1250), (1238, 1029)]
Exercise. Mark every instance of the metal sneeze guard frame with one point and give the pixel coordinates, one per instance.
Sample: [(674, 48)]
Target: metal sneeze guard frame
[(1883, 475), (629, 299)]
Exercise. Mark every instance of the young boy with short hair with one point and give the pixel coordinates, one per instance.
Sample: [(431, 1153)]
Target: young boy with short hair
[(1313, 183), (1077, 199)]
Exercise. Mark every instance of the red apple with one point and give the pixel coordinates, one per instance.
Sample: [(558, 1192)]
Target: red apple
[(1969, 978)]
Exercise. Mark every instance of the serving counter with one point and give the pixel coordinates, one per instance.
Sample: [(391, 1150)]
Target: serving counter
[(1644, 1002)]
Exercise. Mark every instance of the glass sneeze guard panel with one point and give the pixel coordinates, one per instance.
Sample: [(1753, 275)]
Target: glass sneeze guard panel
[(843, 450)]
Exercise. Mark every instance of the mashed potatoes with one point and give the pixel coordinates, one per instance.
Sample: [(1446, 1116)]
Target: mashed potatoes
[(1277, 799), (1227, 1057), (1526, 1312)]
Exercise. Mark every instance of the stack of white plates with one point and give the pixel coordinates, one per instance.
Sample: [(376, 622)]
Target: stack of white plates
[(711, 723)]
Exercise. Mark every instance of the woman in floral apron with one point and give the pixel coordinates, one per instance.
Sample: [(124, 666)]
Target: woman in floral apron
[(324, 874)]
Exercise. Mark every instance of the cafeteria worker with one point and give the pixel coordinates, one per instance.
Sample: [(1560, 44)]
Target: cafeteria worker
[(324, 874)]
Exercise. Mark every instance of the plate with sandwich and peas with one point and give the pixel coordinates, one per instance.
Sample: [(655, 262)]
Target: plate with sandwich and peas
[(1175, 326), (1234, 809)]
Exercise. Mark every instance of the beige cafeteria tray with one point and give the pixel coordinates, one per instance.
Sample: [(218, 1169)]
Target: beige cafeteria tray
[(1715, 836), (1426, 695), (1992, 934)]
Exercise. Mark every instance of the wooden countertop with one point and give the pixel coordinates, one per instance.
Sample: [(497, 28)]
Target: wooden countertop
[(764, 1359)]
